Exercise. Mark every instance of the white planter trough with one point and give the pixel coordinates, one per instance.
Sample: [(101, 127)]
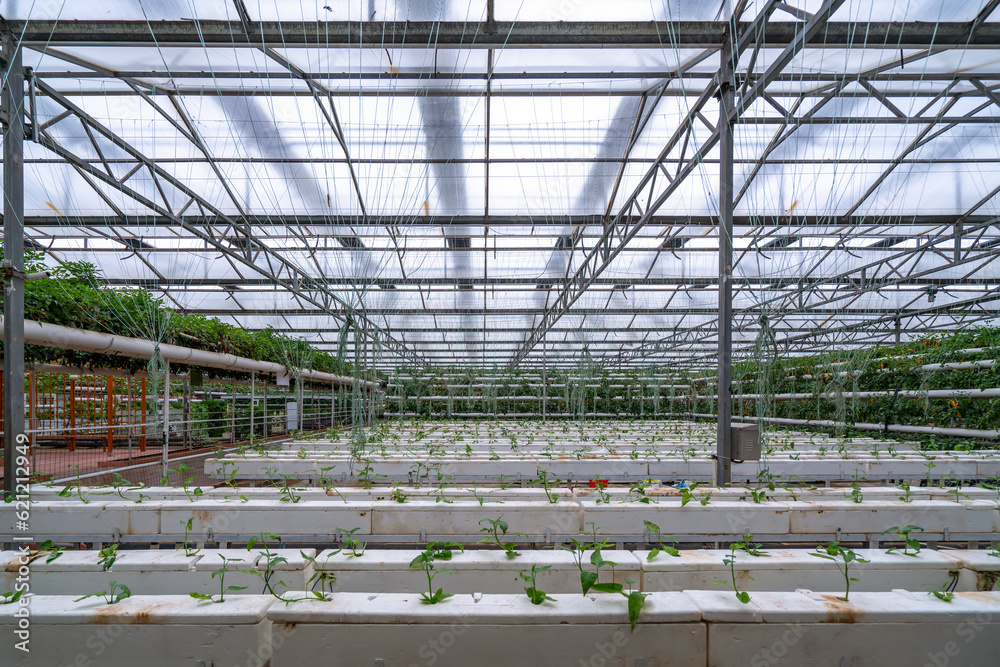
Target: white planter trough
[(96, 518), (472, 571), (489, 631), (161, 631), (716, 518), (159, 572), (461, 518), (306, 517), (820, 630), (791, 569)]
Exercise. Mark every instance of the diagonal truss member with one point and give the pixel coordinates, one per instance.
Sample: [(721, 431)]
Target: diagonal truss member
[(620, 230), (245, 248)]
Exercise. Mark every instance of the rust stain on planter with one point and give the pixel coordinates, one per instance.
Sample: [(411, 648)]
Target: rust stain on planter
[(840, 611), (138, 615)]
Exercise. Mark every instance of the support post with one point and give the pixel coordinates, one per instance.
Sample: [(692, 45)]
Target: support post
[(253, 397), (71, 441), (232, 421), (166, 415), (333, 405), (187, 411), (545, 381), (111, 413), (723, 465), (12, 102), (266, 418), (142, 437)]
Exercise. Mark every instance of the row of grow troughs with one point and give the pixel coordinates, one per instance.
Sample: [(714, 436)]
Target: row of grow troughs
[(424, 567)]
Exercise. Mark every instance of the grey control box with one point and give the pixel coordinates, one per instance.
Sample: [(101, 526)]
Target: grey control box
[(746, 442)]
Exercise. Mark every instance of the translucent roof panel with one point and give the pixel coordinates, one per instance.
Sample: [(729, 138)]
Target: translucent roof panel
[(120, 10), (455, 193), (365, 10)]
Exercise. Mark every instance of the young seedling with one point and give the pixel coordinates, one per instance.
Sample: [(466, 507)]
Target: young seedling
[(115, 593), (856, 494), (326, 483), (908, 542), (637, 492), (907, 496), (843, 558), (957, 489), (221, 574), (535, 594), (995, 551), (322, 577), (653, 529), (730, 560), (578, 550), (68, 490), (435, 551), (496, 531), (943, 592), (687, 495), (48, 547), (930, 465), (122, 485), (597, 560), (187, 530), (547, 482), (397, 493), (107, 556), (602, 493), (750, 547), (367, 475), (271, 561), (355, 546), (288, 491)]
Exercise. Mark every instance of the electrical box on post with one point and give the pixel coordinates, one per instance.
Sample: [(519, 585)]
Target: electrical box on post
[(746, 442)]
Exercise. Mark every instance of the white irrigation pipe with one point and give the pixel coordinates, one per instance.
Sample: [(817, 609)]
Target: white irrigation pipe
[(899, 428), (55, 335), (905, 393)]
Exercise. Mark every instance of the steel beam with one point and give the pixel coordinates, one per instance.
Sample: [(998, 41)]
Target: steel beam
[(12, 106), (541, 221), (503, 35), (727, 100)]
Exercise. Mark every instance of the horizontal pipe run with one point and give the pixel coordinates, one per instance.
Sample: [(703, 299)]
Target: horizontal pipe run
[(54, 335), (904, 393), (991, 434)]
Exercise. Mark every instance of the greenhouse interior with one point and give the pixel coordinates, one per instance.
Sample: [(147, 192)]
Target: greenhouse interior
[(399, 333)]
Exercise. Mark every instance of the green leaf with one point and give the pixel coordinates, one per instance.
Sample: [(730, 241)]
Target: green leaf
[(201, 596), (91, 595), (9, 598), (653, 554), (609, 587), (587, 580), (636, 600), (743, 597)]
